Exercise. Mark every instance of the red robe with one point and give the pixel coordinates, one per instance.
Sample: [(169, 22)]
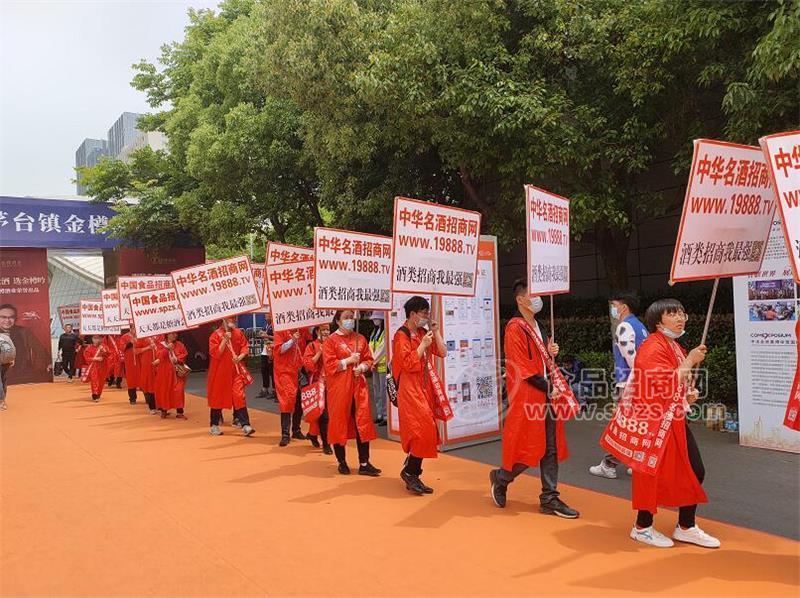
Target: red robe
[(286, 367), (169, 388), (114, 364), (146, 373), (80, 358), (524, 438), (131, 362), (225, 386), (97, 370), (792, 418), (675, 484), (419, 432), (343, 387), (314, 371)]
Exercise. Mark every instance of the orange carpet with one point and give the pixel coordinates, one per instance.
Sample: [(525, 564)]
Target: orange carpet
[(104, 499)]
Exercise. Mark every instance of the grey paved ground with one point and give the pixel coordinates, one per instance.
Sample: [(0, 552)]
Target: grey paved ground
[(754, 488)]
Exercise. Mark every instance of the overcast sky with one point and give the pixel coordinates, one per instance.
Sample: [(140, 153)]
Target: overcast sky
[(65, 72)]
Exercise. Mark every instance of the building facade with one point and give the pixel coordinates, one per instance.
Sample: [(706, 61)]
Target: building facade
[(88, 154)]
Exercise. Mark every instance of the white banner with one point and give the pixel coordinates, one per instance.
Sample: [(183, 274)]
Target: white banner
[(727, 213), (352, 270), (209, 292), (156, 312), (766, 311), (91, 319), (70, 314), (281, 253), (258, 278), (131, 284), (434, 248), (110, 301), (782, 152), (291, 296), (547, 226)]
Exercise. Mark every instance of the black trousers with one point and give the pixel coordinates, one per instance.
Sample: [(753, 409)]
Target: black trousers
[(363, 447), (266, 372), (238, 414), (68, 363), (132, 395), (686, 514), (150, 397), (297, 414), (548, 465)]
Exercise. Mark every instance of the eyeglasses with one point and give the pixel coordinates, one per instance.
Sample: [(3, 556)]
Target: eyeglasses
[(678, 315)]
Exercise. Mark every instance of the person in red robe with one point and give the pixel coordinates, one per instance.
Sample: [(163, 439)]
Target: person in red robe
[(145, 351), (533, 434), (96, 356), (126, 346), (287, 356), (414, 347), (227, 376), (346, 357), (80, 359), (114, 364), (663, 371), (313, 366), (170, 353), (792, 418)]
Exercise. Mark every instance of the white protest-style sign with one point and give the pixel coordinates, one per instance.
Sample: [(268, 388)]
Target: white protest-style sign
[(291, 296), (353, 270), (91, 319), (282, 253), (209, 292), (727, 213), (132, 284), (156, 312), (258, 278), (782, 152), (547, 226), (110, 301), (70, 314), (434, 248)]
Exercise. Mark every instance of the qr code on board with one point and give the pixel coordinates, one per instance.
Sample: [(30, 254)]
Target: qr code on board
[(485, 387)]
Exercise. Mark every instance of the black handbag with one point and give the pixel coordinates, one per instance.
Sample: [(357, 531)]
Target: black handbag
[(302, 378), (58, 368)]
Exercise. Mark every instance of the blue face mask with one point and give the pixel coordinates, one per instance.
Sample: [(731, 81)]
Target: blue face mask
[(614, 312), (349, 324)]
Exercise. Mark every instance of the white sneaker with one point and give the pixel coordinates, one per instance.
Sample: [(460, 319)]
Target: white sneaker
[(215, 431), (247, 430), (604, 471), (651, 536), (694, 535), (630, 471)]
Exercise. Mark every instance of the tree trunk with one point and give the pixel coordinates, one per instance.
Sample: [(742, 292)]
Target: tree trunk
[(473, 191), (613, 245), (312, 202)]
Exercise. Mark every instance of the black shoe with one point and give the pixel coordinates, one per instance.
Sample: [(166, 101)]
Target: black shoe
[(425, 488), (413, 484), (284, 441), (369, 469), (498, 489), (298, 435), (382, 422), (326, 449), (344, 469), (558, 507), (314, 440)]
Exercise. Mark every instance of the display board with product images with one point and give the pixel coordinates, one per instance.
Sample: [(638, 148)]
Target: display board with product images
[(766, 310), (471, 371)]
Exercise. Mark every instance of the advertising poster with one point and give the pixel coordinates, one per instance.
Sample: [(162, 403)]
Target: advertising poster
[(290, 288), (727, 213), (131, 284), (352, 270), (547, 226), (766, 311), (782, 152), (92, 319), (434, 248), (258, 278), (25, 313), (110, 300), (70, 314), (281, 253), (156, 312), (209, 292)]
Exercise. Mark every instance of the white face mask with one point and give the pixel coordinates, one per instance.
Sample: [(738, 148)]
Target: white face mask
[(537, 304), (349, 324), (377, 322), (671, 334), (422, 323)]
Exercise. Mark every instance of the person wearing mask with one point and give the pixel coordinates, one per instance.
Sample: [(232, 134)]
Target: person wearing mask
[(377, 344), (663, 382), (267, 346), (346, 358), (145, 351), (628, 337), (96, 356), (169, 386), (287, 356), (313, 366), (67, 344), (414, 347), (533, 433), (227, 377), (126, 346)]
